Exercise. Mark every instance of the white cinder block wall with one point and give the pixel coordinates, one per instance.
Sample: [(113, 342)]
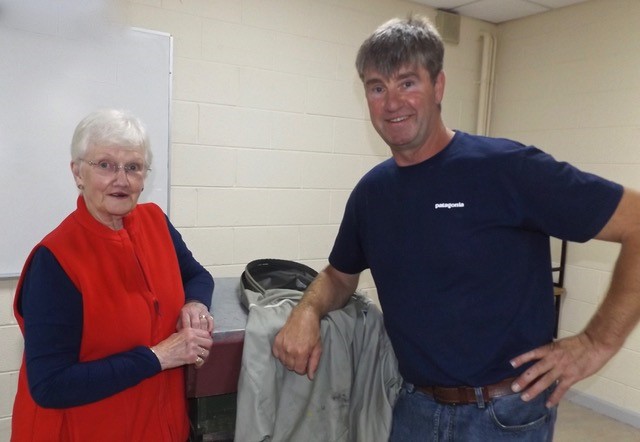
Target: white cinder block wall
[(569, 82), (269, 129), (10, 356)]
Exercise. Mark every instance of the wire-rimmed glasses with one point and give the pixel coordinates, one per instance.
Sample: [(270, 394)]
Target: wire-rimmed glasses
[(109, 168)]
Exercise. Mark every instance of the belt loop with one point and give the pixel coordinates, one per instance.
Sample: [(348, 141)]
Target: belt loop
[(479, 396), (409, 387)]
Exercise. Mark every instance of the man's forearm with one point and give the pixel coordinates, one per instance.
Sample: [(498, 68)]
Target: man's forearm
[(329, 291), (619, 312)]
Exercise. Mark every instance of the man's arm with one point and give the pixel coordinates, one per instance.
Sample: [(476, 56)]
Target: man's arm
[(298, 345), (574, 358)]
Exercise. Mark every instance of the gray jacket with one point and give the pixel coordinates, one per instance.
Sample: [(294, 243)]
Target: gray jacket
[(355, 387)]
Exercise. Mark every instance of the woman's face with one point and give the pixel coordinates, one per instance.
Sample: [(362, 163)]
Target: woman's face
[(111, 180)]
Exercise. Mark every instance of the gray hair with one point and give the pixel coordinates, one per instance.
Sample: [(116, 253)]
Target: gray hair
[(401, 42), (110, 127)]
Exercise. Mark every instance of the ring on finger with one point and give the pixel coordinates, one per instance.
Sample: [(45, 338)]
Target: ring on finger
[(199, 361)]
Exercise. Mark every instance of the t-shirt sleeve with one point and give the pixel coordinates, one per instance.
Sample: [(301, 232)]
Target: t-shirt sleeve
[(559, 199), (347, 255)]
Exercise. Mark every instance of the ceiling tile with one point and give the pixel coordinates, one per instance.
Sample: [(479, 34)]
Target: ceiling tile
[(444, 4), (558, 3), (497, 11)]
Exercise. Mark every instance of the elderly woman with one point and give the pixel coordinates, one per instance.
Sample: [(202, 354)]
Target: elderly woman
[(111, 304)]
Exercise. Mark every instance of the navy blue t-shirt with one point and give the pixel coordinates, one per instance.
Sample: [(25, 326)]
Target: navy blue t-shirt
[(458, 247)]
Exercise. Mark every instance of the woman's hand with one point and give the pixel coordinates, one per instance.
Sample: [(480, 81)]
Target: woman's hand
[(195, 315), (186, 346)]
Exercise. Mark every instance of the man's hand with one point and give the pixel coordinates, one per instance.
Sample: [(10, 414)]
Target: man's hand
[(298, 345), (565, 361)]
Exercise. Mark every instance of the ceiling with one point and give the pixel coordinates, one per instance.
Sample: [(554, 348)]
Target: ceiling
[(497, 11)]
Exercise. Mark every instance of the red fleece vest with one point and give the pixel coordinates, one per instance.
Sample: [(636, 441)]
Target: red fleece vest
[(131, 295)]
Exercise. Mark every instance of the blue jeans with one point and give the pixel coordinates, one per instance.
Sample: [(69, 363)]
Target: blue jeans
[(418, 417)]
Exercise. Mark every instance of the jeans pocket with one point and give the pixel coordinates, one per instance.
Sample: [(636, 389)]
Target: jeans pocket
[(510, 413)]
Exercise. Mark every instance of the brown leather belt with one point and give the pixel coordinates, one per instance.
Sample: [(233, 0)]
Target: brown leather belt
[(468, 395)]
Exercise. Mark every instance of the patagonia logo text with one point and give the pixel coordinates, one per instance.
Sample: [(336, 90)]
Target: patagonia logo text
[(449, 205)]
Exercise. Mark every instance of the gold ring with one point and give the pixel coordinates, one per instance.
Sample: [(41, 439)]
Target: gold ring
[(203, 316), (199, 361)]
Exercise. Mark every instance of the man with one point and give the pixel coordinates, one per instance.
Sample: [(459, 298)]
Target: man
[(455, 229)]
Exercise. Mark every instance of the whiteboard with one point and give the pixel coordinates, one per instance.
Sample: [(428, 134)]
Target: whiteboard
[(50, 79)]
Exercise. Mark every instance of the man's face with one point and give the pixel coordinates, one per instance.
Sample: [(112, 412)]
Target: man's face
[(404, 108)]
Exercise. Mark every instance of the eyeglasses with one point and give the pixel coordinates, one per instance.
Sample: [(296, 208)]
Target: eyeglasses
[(110, 168)]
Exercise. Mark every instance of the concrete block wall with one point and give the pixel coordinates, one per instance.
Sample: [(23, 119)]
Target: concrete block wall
[(269, 129), (567, 81), (270, 132), (11, 355)]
